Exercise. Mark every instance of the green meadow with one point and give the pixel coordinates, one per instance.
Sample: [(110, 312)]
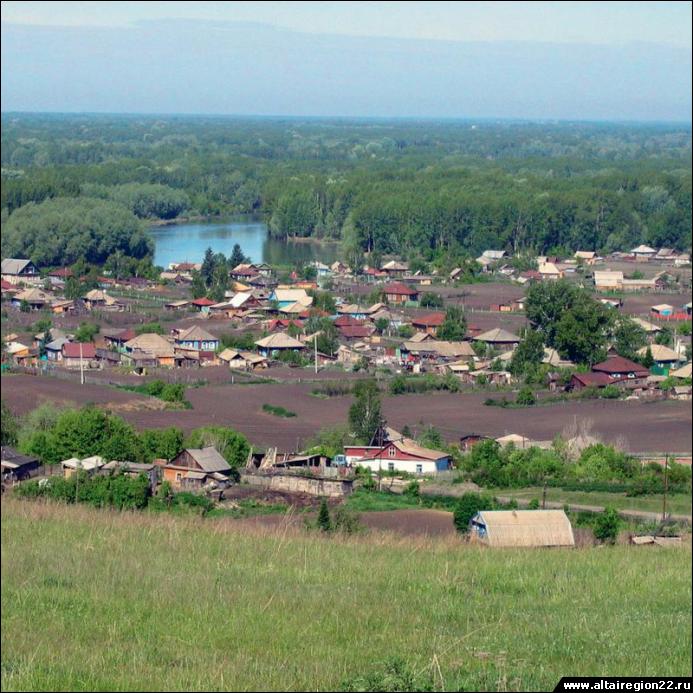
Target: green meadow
[(101, 600)]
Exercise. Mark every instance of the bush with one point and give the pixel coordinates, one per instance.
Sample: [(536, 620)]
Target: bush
[(533, 504), (324, 521), (278, 411), (526, 398), (606, 526), (468, 506), (412, 489)]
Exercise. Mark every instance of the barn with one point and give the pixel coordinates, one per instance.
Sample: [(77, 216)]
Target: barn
[(522, 528)]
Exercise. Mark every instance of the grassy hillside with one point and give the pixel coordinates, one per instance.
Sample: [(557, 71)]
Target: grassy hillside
[(94, 600)]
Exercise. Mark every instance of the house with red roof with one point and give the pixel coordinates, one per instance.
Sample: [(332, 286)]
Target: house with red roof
[(78, 354), (428, 323), (356, 331), (202, 304), (620, 368), (401, 455), (400, 294)]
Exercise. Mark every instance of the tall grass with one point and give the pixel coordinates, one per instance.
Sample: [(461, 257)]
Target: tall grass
[(101, 600)]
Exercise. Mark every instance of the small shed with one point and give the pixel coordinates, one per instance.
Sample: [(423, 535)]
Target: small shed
[(522, 528)]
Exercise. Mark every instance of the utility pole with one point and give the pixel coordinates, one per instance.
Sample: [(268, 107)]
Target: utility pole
[(666, 488)]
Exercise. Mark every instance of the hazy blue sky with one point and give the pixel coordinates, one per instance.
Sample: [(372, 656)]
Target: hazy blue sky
[(591, 60)]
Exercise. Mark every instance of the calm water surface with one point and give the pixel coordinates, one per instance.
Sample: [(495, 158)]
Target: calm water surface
[(188, 242)]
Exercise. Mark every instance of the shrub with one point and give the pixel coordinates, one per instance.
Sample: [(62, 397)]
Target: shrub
[(468, 506), (278, 411), (346, 522), (324, 521), (606, 526), (533, 504), (412, 489), (526, 398)]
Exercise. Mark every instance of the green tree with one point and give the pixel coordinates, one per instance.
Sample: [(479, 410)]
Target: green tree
[(454, 327), (628, 337), (607, 526), (324, 521), (647, 360), (365, 415), (528, 354), (237, 256), (469, 505), (86, 332), (208, 265), (525, 397), (9, 425), (232, 446), (198, 287)]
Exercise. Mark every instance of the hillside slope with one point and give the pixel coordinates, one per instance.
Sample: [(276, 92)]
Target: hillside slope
[(95, 600)]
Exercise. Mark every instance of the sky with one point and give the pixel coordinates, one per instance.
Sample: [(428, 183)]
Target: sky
[(534, 60)]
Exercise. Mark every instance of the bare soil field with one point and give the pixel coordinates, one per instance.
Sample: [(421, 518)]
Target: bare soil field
[(22, 393), (645, 427)]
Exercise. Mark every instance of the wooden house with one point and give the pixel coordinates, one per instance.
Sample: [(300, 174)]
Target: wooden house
[(398, 293), (15, 466), (19, 271), (195, 467)]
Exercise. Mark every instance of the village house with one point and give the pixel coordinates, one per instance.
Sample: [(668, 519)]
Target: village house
[(498, 338), (489, 257), (521, 528), (17, 351), (275, 343), (34, 298), (664, 358), (287, 297), (428, 323), (202, 304), (195, 467), (177, 305), (605, 280), (400, 294), (662, 310), (196, 338), (393, 268), (243, 360), (402, 455), (150, 347), (116, 339), (15, 466), (587, 257), (580, 381), (19, 271), (96, 299), (54, 349), (622, 371), (643, 253), (79, 355), (90, 465), (549, 270)]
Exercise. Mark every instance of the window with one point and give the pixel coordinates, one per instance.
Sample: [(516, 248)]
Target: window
[(419, 469), (391, 451), (390, 466), (178, 476)]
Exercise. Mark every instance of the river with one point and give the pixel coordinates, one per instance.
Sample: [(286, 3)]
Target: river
[(188, 242)]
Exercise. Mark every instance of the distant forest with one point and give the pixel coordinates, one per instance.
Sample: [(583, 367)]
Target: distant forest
[(87, 185)]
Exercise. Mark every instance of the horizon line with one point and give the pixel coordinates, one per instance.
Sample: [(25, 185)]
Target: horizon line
[(415, 118)]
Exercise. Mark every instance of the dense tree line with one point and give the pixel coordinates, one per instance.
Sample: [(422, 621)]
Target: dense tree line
[(429, 187), (63, 230)]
